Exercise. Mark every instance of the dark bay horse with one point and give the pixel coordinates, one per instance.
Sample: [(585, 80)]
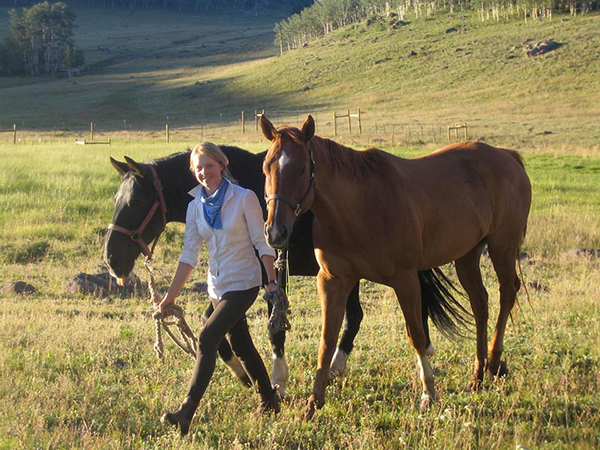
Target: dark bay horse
[(383, 218), (134, 201)]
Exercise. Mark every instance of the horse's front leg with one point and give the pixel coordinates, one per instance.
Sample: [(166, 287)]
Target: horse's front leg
[(280, 372), (333, 294)]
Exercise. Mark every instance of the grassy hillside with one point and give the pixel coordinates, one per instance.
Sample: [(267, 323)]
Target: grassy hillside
[(147, 65)]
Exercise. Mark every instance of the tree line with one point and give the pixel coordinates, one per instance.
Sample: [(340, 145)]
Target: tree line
[(325, 16), (39, 41), (185, 5)]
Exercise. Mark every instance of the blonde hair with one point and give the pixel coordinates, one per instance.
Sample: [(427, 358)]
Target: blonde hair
[(212, 151)]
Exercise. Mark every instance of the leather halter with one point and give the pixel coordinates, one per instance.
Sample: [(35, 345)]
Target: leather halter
[(136, 235), (297, 207)]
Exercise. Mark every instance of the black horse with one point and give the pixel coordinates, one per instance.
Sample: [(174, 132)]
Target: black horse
[(138, 193)]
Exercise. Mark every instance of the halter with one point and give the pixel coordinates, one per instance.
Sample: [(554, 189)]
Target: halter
[(136, 235), (297, 207)]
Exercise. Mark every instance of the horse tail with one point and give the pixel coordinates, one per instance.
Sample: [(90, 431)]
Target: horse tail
[(438, 296)]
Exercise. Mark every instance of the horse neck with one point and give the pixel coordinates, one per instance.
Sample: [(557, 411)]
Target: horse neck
[(177, 181), (334, 188)]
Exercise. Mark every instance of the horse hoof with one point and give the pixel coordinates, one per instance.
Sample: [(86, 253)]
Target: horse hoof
[(175, 420), (270, 402), (473, 386), (426, 402), (499, 370), (309, 412), (338, 364)]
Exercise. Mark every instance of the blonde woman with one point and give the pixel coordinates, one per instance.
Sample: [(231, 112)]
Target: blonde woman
[(229, 219)]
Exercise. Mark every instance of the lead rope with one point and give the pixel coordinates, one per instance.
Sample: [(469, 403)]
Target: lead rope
[(186, 340), (278, 320)]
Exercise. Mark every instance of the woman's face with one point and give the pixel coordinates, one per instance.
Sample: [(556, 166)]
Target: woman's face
[(208, 171)]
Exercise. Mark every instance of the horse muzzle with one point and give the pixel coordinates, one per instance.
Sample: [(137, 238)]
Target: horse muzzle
[(277, 236)]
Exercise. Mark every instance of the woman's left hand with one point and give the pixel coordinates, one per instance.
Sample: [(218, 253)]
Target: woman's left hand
[(271, 287)]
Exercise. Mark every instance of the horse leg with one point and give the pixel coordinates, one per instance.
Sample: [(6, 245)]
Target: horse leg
[(227, 355), (333, 293), (280, 372), (354, 316), (408, 292), (469, 275), (504, 260)]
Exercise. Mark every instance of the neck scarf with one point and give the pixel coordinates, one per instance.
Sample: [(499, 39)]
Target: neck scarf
[(212, 204)]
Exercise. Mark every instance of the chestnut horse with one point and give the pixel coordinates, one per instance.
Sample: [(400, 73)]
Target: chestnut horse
[(383, 218)]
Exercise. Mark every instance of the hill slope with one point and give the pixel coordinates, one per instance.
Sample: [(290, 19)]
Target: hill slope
[(209, 67)]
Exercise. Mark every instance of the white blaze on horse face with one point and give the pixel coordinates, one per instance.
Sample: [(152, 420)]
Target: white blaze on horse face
[(280, 374), (283, 160)]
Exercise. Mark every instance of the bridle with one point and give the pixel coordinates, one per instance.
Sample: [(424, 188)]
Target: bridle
[(297, 207), (136, 235)]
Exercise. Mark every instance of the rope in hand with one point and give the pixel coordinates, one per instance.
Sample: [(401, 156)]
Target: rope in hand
[(173, 315), (278, 320)]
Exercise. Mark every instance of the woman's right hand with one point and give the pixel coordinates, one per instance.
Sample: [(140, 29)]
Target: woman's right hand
[(166, 301)]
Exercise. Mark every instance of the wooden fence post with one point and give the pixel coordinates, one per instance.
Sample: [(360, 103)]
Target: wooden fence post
[(243, 123), (359, 123), (167, 137), (14, 133), (91, 131), (349, 123), (334, 124)]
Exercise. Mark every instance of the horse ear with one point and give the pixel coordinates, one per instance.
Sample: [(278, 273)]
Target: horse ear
[(136, 168), (121, 167), (268, 129), (308, 128)]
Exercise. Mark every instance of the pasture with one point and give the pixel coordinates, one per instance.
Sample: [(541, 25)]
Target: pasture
[(79, 372)]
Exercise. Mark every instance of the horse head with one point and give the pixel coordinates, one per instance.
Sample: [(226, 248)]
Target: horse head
[(290, 179), (138, 219)]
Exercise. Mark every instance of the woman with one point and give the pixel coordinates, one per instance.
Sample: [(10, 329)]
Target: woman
[(229, 219)]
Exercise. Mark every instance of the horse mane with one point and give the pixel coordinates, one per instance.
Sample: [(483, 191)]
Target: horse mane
[(175, 175), (339, 159)]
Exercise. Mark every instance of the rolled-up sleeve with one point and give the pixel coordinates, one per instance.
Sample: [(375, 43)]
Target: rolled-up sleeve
[(254, 220), (192, 241)]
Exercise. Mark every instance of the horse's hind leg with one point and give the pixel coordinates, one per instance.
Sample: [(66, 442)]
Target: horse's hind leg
[(469, 275), (408, 292), (504, 260), (354, 316)]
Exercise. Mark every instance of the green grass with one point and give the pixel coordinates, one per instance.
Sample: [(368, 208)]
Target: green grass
[(205, 68), (79, 372)]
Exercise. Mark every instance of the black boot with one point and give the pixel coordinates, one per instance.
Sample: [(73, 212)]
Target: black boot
[(182, 417), (269, 402)]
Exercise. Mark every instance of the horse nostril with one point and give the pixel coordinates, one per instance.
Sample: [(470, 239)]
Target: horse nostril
[(283, 234)]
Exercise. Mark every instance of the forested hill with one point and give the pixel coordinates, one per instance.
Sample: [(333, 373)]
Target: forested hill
[(182, 5)]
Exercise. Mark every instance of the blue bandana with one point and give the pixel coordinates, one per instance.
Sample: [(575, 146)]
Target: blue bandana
[(212, 205)]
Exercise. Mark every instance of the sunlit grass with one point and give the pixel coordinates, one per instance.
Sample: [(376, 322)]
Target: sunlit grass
[(76, 371)]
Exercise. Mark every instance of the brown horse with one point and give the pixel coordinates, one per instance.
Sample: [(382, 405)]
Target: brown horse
[(383, 218)]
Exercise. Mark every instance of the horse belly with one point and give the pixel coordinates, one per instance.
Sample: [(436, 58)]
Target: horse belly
[(454, 235)]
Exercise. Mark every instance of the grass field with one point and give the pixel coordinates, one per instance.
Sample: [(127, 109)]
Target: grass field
[(199, 69), (80, 372)]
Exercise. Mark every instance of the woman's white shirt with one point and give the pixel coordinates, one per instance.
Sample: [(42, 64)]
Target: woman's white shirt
[(233, 265)]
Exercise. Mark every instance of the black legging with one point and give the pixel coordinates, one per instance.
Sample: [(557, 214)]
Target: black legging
[(229, 317)]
